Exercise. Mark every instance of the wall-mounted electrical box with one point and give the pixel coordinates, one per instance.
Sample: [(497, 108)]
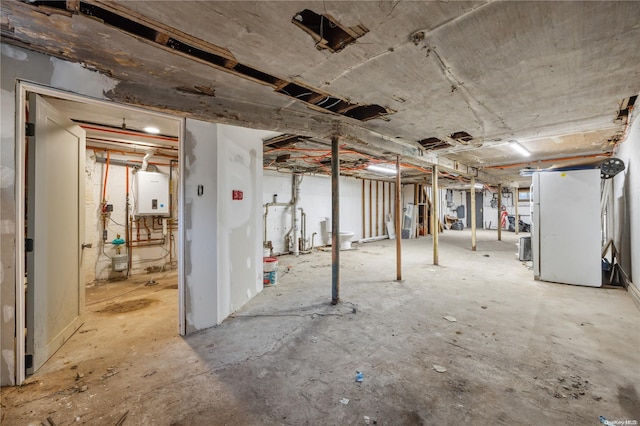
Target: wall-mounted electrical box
[(151, 194)]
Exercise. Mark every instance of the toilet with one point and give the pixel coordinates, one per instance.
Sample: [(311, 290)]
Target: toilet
[(344, 240)]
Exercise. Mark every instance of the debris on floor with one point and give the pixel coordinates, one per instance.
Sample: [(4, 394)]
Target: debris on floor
[(450, 318), (359, 377), (344, 401), (111, 371), (367, 420), (439, 368)]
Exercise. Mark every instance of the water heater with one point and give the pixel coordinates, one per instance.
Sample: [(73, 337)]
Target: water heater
[(151, 194)]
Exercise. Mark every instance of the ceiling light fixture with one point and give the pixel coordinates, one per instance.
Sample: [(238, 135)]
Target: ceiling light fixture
[(382, 169), (153, 130), (519, 148)]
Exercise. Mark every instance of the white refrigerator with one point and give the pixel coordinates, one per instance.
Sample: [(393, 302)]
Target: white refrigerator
[(565, 232)]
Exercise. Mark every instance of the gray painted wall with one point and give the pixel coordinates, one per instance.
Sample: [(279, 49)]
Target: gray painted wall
[(26, 65), (626, 196)]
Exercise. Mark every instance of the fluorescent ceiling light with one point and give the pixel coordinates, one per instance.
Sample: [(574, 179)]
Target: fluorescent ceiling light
[(519, 148), (151, 129), (382, 169)]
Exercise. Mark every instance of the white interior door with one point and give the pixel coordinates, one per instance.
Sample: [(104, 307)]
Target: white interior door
[(55, 223)]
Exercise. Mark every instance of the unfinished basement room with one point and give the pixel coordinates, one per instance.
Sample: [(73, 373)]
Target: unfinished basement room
[(319, 213)]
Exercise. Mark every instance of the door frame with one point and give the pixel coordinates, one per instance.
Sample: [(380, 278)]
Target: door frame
[(22, 88)]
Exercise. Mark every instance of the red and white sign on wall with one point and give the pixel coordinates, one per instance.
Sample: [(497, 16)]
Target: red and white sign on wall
[(237, 194)]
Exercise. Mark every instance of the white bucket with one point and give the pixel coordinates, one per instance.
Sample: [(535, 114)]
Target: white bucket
[(270, 271)]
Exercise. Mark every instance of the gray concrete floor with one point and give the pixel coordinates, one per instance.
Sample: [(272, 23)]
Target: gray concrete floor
[(520, 351)]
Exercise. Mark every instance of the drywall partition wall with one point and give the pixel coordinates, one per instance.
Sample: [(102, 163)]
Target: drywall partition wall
[(26, 65), (315, 200), (200, 186), (222, 221), (239, 217), (627, 205)]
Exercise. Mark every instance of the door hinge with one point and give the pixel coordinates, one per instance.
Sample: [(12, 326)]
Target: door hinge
[(28, 245), (28, 361), (30, 129)]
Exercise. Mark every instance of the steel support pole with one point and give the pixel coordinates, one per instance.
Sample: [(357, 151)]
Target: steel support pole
[(398, 219), (335, 221), (515, 200), (473, 213), (436, 219), (500, 212), (364, 235)]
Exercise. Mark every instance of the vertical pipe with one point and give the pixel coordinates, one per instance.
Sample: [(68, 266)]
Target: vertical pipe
[(364, 228), (516, 197), (436, 220), (377, 212), (295, 220), (473, 212), (398, 228), (389, 198), (335, 221), (371, 208), (500, 212), (126, 223), (416, 204), (384, 211)]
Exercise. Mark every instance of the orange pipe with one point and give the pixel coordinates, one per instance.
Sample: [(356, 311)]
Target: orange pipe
[(106, 176)]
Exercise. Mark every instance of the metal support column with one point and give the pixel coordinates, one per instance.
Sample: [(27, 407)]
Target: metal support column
[(515, 200), (473, 213), (335, 221), (398, 218), (436, 219), (500, 212)]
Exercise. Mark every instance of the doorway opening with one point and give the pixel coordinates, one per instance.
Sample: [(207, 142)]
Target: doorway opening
[(101, 257)]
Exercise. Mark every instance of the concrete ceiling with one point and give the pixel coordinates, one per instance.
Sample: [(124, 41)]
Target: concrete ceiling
[(552, 75)]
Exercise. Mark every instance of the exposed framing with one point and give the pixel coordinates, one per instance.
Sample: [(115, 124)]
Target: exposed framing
[(22, 88)]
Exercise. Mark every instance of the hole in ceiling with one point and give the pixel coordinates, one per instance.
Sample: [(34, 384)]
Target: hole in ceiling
[(197, 90), (223, 59), (284, 140), (327, 32), (332, 103), (462, 136), (433, 143), (257, 74), (626, 107), (366, 112)]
